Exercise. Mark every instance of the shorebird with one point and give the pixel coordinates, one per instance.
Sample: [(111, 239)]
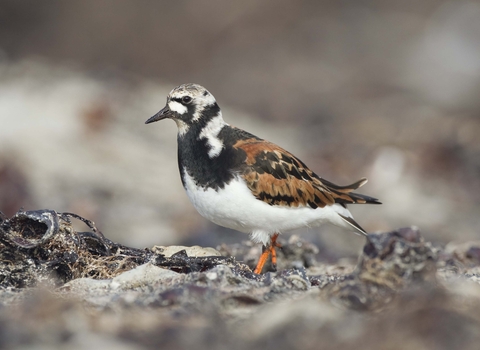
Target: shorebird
[(240, 181)]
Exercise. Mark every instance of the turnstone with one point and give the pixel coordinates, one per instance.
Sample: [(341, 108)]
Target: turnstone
[(240, 181)]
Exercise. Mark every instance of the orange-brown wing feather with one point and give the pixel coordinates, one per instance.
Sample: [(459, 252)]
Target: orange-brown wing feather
[(277, 177)]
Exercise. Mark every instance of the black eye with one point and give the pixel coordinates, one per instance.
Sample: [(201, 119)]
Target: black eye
[(186, 99)]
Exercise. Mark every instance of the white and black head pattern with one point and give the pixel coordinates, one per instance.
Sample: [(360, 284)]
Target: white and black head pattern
[(189, 104), (202, 150), (191, 99)]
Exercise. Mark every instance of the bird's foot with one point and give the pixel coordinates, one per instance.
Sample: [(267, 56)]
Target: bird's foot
[(266, 252)]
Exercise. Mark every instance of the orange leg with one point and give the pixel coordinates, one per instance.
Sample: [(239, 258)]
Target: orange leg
[(267, 251)]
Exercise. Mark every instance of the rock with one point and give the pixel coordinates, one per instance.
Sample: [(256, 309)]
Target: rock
[(143, 275), (194, 251), (390, 262)]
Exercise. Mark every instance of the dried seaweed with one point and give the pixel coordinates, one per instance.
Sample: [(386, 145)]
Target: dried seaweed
[(42, 246)]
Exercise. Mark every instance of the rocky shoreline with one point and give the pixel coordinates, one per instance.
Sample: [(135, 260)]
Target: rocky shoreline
[(60, 287)]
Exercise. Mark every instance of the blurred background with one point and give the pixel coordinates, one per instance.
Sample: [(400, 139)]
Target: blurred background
[(383, 89)]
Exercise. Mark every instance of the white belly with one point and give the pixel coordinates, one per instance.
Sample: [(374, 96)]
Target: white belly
[(235, 207)]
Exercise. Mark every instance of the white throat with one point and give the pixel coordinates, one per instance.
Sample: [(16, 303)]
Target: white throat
[(182, 127)]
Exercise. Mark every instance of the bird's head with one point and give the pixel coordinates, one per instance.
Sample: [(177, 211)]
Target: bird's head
[(188, 104)]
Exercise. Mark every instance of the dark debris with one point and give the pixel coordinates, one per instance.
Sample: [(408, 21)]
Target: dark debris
[(42, 246), (207, 302)]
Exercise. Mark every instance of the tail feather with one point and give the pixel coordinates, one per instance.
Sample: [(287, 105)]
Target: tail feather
[(345, 195), (346, 188), (363, 199), (353, 224)]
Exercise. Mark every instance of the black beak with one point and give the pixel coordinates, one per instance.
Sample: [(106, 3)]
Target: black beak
[(164, 113)]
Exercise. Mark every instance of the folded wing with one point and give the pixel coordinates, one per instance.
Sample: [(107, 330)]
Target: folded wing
[(277, 177)]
